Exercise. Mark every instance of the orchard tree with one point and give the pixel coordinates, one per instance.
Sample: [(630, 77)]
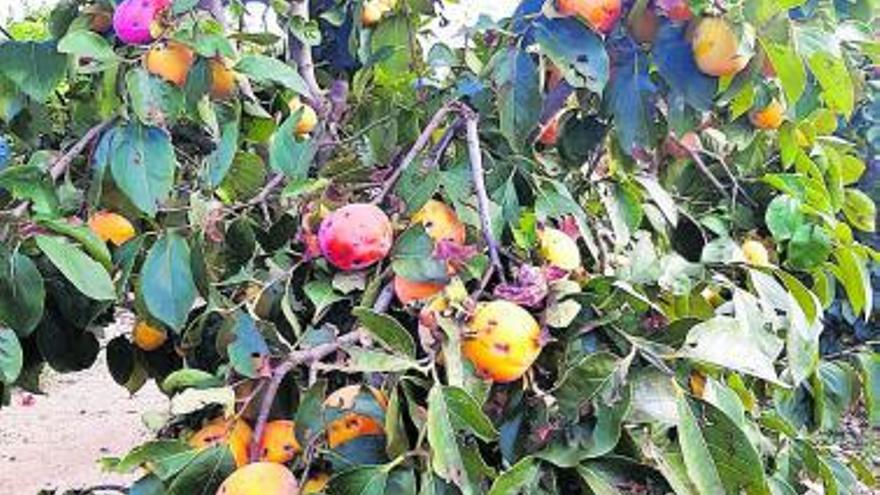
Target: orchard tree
[(599, 246)]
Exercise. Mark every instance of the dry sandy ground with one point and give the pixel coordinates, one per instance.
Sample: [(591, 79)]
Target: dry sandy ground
[(54, 441)]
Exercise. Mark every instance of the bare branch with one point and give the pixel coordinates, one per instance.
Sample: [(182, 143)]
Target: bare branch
[(63, 163), (302, 53)]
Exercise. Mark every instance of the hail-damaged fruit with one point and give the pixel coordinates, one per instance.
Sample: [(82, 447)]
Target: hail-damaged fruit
[(716, 48), (503, 341), (351, 425), (558, 249), (132, 20), (237, 434), (113, 227), (601, 15), (260, 478), (279, 442), (355, 236), (440, 222)]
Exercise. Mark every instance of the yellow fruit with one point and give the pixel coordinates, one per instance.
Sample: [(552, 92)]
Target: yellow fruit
[(236, 434), (503, 341), (440, 222), (409, 291), (222, 80), (113, 227), (148, 337), (558, 249), (769, 117), (755, 253), (352, 425), (716, 48), (711, 296), (371, 13), (316, 483), (170, 62), (260, 478), (307, 120), (279, 442)]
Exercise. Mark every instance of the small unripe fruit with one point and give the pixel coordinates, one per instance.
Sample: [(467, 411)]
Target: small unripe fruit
[(716, 48), (222, 80), (503, 341), (352, 425), (237, 434), (113, 227), (558, 249), (601, 15), (171, 62), (440, 222), (355, 236), (279, 442), (409, 291), (307, 120), (769, 117), (371, 13), (260, 478), (755, 253), (147, 337)]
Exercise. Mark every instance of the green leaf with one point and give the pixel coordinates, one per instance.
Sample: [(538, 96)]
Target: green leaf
[(267, 69), (244, 179), (86, 274), (30, 182), (783, 217), (519, 97), (582, 383), (860, 210), (22, 293), (189, 378), (807, 301), (809, 247), (466, 413), (205, 472), (412, 257), (35, 67), (86, 43), (387, 330), (167, 282), (834, 388), (575, 49), (837, 85), (373, 361), (373, 480), (446, 458), (166, 457), (142, 162), (788, 66), (249, 351), (322, 296), (518, 479), (11, 356), (154, 101), (850, 270), (220, 160), (93, 245), (291, 154), (724, 341), (598, 483), (869, 368)]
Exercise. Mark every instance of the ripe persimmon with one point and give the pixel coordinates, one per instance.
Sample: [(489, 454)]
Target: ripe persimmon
[(601, 15), (503, 341), (307, 120), (148, 337), (260, 478), (352, 425), (355, 236), (113, 227), (236, 434), (279, 442), (409, 291), (222, 80), (440, 222), (716, 48), (770, 117), (558, 249), (170, 62)]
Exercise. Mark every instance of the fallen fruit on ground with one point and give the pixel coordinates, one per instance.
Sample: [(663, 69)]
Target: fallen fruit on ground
[(503, 341), (235, 433), (440, 222), (279, 442), (355, 236), (352, 425), (113, 227), (260, 478), (170, 62), (716, 48), (148, 337)]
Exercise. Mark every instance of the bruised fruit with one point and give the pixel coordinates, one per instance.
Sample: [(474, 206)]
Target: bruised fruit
[(601, 15), (503, 341), (147, 337), (440, 222), (352, 425), (316, 484), (355, 236), (113, 227), (260, 478), (409, 291), (755, 253), (236, 434), (132, 20), (170, 62), (716, 48), (279, 442), (307, 120), (222, 80), (769, 117), (558, 249)]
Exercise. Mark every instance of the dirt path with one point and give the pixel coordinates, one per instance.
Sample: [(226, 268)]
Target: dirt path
[(54, 441)]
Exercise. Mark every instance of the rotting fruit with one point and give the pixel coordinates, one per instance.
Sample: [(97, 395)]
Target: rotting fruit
[(307, 120), (279, 442), (260, 478), (755, 253), (440, 222), (170, 62), (236, 434), (601, 15), (222, 80), (113, 227), (355, 236), (503, 341), (148, 337), (558, 249), (409, 291), (132, 20), (352, 425), (716, 48), (770, 117)]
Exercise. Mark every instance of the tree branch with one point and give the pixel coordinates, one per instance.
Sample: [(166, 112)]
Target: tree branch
[(302, 53), (63, 163), (698, 160)]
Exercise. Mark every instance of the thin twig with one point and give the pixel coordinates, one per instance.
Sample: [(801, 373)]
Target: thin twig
[(416, 148), (439, 150), (698, 160), (63, 163), (264, 193), (301, 53), (476, 159)]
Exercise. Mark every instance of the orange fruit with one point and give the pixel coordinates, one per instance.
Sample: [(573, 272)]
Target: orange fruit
[(316, 483), (147, 337), (113, 227), (352, 425), (409, 291), (279, 442), (769, 117), (716, 48), (307, 120), (558, 249), (755, 253), (503, 340), (236, 434), (371, 13), (601, 15), (440, 222), (260, 478), (222, 80), (170, 62)]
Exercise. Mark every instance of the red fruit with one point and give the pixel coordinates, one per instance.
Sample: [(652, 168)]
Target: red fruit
[(676, 10), (601, 15), (550, 132), (355, 236), (132, 20)]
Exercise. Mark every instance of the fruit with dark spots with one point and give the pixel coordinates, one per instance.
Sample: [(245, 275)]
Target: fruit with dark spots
[(352, 425), (440, 222), (355, 236), (236, 434), (260, 478), (558, 249), (170, 62), (132, 20), (503, 341), (279, 442)]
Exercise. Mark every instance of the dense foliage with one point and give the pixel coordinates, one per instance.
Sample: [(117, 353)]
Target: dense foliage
[(596, 247)]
